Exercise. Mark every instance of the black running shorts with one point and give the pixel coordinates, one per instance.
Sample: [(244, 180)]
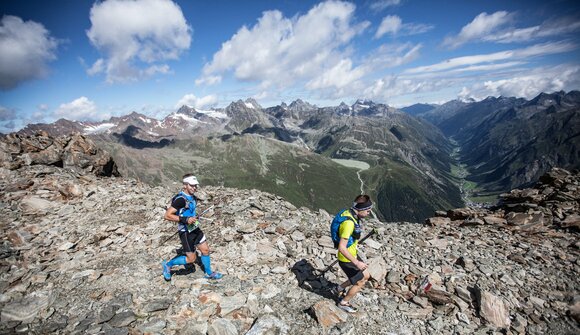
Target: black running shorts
[(189, 240), (353, 273)]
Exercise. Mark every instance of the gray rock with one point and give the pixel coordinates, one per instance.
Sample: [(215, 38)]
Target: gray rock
[(106, 314), (157, 305), (155, 325), (232, 303), (493, 310), (122, 319), (27, 308), (462, 317), (269, 324), (222, 327), (393, 277), (378, 269), (35, 205)]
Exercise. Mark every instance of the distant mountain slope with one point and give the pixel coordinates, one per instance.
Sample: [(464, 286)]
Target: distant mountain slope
[(443, 112), (249, 161), (469, 116), (512, 147), (509, 142), (418, 109)]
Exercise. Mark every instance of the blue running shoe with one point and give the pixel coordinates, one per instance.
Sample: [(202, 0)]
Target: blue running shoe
[(166, 271), (214, 275)]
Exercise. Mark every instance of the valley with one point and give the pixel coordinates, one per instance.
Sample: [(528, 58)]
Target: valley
[(469, 189)]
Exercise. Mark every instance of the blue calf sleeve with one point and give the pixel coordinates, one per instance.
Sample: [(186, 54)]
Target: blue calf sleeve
[(206, 264), (179, 260)]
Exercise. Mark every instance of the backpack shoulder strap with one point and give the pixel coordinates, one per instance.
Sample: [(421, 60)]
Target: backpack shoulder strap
[(336, 222)]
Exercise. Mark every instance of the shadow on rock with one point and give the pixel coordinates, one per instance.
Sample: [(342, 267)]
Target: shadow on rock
[(187, 269), (308, 279)]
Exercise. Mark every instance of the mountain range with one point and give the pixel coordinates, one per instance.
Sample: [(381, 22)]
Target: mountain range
[(413, 160)]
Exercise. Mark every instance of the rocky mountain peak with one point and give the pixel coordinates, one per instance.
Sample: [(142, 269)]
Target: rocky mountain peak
[(363, 101), (82, 254), (241, 104), (59, 127), (560, 100), (301, 106), (186, 110), (253, 102), (133, 116)]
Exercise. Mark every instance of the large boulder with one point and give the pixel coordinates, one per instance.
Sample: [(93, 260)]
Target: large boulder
[(75, 152)]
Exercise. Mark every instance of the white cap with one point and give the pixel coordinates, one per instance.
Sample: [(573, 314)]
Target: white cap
[(191, 180)]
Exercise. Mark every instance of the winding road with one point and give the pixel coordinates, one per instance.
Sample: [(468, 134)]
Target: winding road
[(360, 166)]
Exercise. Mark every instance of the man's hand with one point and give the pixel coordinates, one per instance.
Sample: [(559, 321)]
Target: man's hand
[(361, 265), (192, 220)]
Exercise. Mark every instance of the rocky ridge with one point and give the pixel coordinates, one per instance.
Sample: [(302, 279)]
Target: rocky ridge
[(551, 204), (88, 261), (74, 152)]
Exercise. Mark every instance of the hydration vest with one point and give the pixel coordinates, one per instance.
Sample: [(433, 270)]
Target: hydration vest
[(342, 216), (188, 210)]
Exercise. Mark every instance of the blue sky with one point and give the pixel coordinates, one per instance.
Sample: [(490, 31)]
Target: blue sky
[(87, 60)]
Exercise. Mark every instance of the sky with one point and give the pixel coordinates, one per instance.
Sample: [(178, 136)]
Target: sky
[(88, 60)]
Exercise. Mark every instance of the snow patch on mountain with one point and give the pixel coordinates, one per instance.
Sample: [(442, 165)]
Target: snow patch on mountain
[(214, 114), (97, 129), (187, 118)]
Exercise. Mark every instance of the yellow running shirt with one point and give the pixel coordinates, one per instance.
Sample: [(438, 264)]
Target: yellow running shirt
[(345, 231)]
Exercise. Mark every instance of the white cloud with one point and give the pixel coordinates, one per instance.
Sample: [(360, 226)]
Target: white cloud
[(198, 103), (515, 54), (7, 114), (554, 27), (391, 86), (391, 55), (513, 35), (482, 25), (379, 5), (26, 49), (97, 67), (7, 126), (80, 109), (416, 28), (151, 70), (483, 81), (281, 52), (528, 84), (341, 75), (486, 67), (464, 94), (390, 24), (261, 95), (209, 80), (136, 37)]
